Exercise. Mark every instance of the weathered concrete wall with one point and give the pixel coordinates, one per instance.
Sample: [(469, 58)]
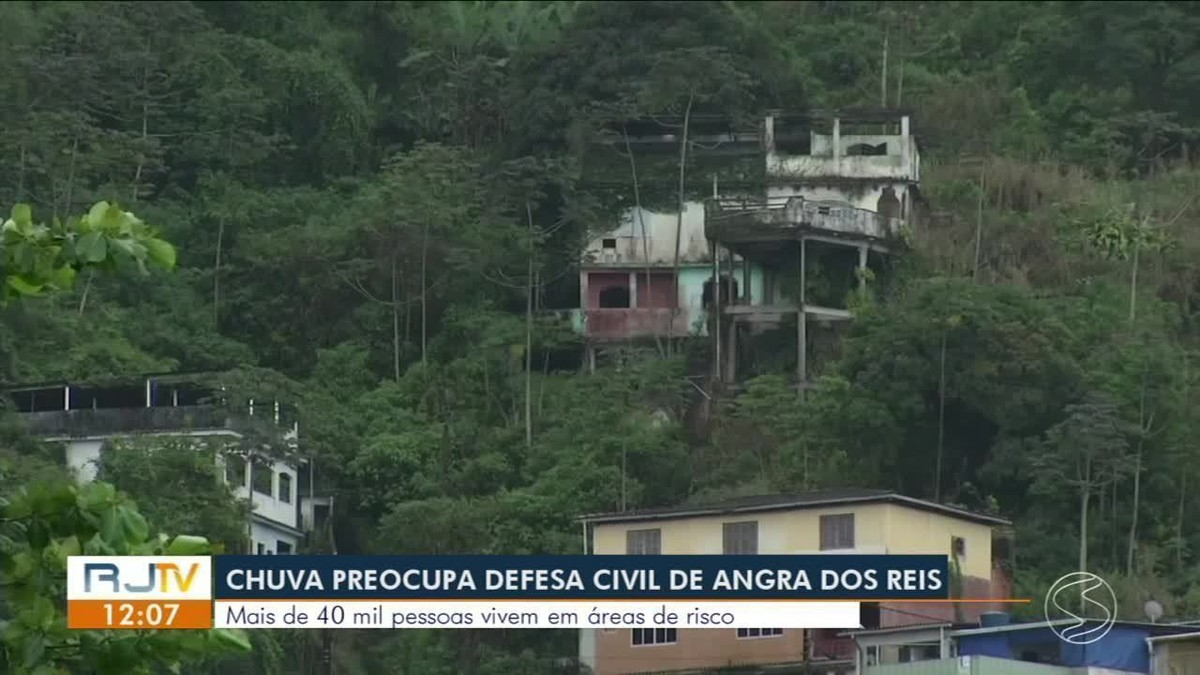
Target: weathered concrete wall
[(901, 163), (861, 196), (655, 232)]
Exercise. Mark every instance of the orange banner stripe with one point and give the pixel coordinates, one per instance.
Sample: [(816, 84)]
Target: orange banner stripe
[(139, 614)]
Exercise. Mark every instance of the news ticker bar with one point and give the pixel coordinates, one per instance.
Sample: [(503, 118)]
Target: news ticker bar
[(190, 592), (554, 614), (362, 615)]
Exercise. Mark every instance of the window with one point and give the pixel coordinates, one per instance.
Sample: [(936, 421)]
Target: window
[(655, 636), (867, 150), (283, 548), (837, 532), (614, 297), (285, 487), (912, 653), (261, 477), (745, 633), (235, 471), (261, 549), (608, 243), (741, 538), (643, 542), (958, 547)]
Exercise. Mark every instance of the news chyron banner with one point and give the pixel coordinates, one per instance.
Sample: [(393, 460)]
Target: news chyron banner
[(592, 591)]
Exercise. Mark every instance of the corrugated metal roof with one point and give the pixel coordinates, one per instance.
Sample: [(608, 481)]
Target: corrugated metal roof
[(783, 502)]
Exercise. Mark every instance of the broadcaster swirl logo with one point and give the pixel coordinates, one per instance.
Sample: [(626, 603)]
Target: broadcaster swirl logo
[(1076, 593)]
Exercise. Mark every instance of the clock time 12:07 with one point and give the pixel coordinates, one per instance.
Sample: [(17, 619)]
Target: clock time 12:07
[(149, 615)]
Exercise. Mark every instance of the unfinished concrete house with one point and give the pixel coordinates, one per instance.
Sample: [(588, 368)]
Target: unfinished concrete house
[(839, 189), (630, 289)]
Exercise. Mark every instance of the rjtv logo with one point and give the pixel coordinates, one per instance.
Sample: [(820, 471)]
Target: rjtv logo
[(140, 577)]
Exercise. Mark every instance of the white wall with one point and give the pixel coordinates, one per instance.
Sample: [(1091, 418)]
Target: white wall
[(270, 536), (83, 458), (83, 454), (658, 229), (270, 506), (587, 648), (901, 163)]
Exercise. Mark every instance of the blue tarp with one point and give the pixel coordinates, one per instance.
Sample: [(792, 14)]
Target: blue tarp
[(1123, 648)]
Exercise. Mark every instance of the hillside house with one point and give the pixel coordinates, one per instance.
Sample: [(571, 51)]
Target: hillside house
[(830, 522), (87, 419), (836, 191)]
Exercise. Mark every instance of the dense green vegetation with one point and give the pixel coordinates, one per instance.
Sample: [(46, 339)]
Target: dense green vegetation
[(374, 203)]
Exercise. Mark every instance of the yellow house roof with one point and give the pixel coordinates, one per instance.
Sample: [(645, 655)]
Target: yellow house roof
[(787, 502)]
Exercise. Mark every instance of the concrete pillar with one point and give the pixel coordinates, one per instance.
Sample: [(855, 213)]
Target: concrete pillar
[(746, 289), (904, 126), (633, 290), (715, 305), (769, 134), (583, 289), (149, 400), (732, 354), (802, 322), (837, 138), (862, 267)]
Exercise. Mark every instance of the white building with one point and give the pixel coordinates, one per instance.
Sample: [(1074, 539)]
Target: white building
[(836, 193), (86, 419)]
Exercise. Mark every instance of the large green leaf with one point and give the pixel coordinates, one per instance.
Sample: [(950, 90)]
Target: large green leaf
[(24, 287), (91, 247), (134, 525), (188, 545), (22, 214), (160, 252), (232, 638)]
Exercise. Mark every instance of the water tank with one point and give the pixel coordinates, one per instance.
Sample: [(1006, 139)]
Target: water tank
[(993, 619)]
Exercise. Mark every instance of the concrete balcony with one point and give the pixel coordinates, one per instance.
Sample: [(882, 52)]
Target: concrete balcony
[(830, 160), (638, 322), (85, 423), (750, 221)]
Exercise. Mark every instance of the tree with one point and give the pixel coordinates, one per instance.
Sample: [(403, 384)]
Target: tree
[(44, 523), (48, 257), (180, 487), (1087, 451)]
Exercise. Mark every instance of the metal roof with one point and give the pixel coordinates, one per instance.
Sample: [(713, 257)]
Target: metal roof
[(1153, 627), (784, 502)]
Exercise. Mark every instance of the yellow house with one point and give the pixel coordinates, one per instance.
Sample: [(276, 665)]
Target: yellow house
[(831, 522)]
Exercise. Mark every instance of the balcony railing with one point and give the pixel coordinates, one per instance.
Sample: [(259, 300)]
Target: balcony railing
[(751, 219), (102, 422), (639, 322)]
